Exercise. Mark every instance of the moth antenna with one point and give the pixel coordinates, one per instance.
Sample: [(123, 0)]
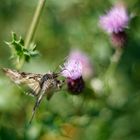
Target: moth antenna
[(59, 66)]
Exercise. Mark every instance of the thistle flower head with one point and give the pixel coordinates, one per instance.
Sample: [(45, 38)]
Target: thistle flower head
[(87, 70), (116, 20), (78, 64), (72, 69)]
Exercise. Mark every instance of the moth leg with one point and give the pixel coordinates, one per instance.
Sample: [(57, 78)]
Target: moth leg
[(38, 100)]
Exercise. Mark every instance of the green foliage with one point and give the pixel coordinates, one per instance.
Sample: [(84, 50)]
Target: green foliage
[(111, 113), (18, 51)]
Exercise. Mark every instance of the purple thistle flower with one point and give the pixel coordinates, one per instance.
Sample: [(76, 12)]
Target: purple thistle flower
[(87, 70), (72, 69), (116, 20)]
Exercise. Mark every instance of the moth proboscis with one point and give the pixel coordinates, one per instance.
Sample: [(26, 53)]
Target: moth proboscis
[(40, 84)]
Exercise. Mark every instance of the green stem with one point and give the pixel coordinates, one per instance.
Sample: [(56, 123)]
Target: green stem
[(112, 67), (34, 23), (114, 61), (31, 32)]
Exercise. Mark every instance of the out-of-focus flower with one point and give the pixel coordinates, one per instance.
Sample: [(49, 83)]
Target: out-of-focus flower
[(97, 86), (115, 22)]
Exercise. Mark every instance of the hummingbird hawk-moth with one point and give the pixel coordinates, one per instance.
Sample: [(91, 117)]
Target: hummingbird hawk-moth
[(41, 85)]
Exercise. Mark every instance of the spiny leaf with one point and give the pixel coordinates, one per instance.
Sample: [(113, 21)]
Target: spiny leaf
[(18, 50)]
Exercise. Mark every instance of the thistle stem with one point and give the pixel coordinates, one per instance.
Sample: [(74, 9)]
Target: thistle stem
[(34, 23), (33, 26), (112, 67), (114, 61)]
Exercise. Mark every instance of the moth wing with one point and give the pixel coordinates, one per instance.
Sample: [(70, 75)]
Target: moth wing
[(29, 79), (34, 86)]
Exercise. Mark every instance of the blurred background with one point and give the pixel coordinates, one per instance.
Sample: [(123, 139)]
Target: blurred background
[(66, 25)]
